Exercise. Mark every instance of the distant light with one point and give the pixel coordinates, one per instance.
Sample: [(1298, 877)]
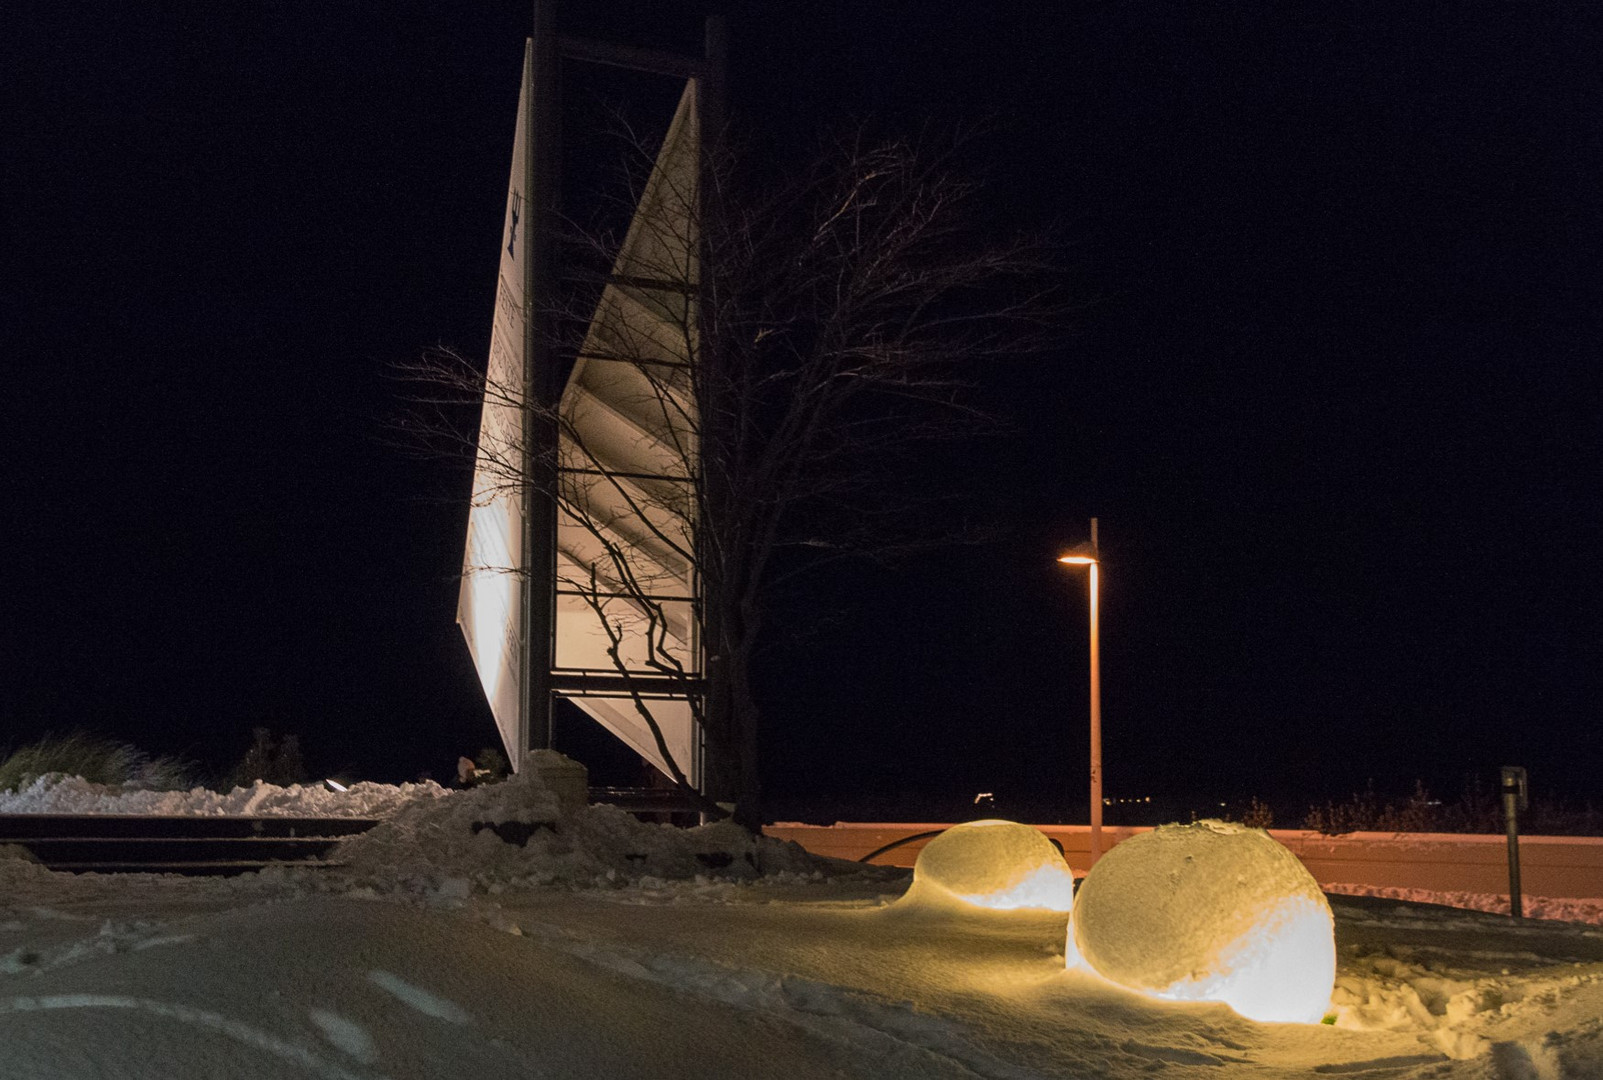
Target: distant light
[(1076, 560), (335, 785), (982, 796)]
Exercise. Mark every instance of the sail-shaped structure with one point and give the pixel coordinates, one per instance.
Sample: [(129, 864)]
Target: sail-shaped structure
[(619, 580), (628, 453), (490, 605)]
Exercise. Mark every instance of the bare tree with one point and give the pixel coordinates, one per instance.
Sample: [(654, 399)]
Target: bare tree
[(783, 345)]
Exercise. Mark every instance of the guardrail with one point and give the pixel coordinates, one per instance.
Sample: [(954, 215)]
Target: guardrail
[(1552, 866), (176, 844)]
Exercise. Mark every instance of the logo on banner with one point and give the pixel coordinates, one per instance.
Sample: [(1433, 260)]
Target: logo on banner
[(512, 237)]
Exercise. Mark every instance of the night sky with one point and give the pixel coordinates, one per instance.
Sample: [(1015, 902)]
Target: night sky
[(1331, 385)]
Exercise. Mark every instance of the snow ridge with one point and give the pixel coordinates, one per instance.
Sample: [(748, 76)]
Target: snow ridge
[(54, 793)]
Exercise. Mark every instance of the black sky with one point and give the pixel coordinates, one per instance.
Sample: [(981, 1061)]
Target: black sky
[(1333, 391)]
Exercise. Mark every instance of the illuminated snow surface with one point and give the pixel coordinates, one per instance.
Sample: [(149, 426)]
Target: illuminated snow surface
[(1209, 912), (993, 864), (604, 948)]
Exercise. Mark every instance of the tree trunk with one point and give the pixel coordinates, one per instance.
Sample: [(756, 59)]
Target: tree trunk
[(744, 722)]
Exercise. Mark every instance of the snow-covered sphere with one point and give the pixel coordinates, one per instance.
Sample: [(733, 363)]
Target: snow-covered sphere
[(1209, 912), (995, 864)]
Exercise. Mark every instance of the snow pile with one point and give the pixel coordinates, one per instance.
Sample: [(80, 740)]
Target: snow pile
[(1385, 993), (1209, 912), (19, 870), (1465, 983), (517, 834), (993, 864), (58, 794)]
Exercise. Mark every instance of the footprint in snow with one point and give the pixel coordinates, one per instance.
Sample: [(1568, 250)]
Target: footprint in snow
[(347, 1035), (416, 997)]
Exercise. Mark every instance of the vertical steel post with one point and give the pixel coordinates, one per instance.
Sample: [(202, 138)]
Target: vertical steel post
[(1096, 703), (1515, 798), (540, 385), (716, 42)]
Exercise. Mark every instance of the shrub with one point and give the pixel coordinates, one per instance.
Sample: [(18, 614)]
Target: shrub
[(95, 758), (1258, 814), (1477, 810), (494, 762), (269, 760)]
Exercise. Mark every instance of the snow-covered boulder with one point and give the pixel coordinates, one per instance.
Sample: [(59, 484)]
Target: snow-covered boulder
[(1209, 912), (993, 864)]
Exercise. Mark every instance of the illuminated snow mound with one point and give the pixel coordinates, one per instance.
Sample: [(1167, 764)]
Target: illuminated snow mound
[(994, 864), (1209, 912)]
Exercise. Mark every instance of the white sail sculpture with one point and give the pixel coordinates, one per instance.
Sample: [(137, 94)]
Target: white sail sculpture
[(627, 455), (626, 629), (490, 604)]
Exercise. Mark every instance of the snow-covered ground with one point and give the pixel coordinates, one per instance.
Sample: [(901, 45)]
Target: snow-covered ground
[(607, 948)]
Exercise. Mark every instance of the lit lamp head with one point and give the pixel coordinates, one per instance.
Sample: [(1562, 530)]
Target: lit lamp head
[(1080, 555)]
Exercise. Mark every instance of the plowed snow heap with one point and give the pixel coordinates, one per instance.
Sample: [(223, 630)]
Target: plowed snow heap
[(1209, 912)]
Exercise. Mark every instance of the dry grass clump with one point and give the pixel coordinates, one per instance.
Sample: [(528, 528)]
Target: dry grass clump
[(95, 758)]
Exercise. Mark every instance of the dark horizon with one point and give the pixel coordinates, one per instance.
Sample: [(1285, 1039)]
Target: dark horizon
[(1332, 391)]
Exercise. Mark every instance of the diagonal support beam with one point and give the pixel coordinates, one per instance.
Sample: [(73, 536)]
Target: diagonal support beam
[(653, 61)]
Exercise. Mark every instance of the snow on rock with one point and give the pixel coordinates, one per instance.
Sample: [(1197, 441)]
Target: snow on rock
[(517, 833), (993, 864), (1209, 912), (55, 793)]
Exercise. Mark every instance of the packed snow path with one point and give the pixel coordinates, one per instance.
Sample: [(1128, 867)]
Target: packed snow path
[(292, 976), (340, 989)]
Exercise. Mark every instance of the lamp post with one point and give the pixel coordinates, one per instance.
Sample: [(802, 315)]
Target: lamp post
[(1089, 556)]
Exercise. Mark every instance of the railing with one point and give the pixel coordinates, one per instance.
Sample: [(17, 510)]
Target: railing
[(182, 844), (1553, 866)]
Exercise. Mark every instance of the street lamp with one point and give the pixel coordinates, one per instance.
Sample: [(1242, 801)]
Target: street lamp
[(1088, 555)]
